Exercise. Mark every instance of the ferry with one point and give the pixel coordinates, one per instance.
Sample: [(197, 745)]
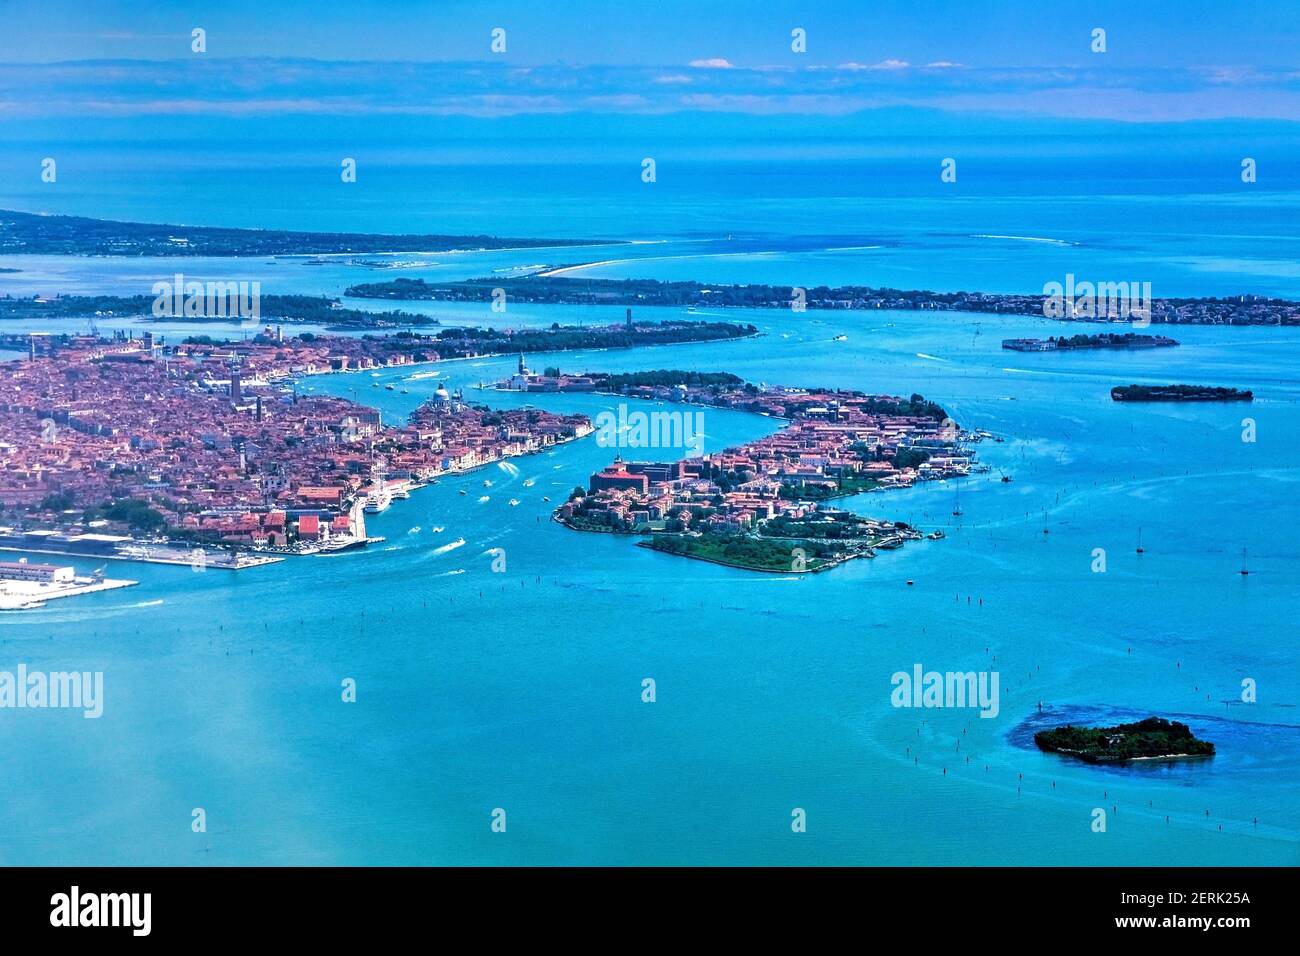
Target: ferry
[(376, 503)]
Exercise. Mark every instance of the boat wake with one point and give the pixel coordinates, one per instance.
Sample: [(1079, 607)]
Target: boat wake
[(1050, 242), (449, 546)]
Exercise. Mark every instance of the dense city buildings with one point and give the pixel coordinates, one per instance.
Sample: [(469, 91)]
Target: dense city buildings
[(211, 442)]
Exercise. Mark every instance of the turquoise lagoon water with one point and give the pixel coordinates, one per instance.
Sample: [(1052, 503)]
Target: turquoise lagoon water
[(522, 690)]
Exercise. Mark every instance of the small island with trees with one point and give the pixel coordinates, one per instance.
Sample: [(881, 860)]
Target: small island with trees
[(1180, 393), (1152, 739), (1105, 340)]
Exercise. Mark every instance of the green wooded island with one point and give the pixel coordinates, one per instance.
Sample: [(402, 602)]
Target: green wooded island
[(1180, 393), (1152, 739), (1104, 340)]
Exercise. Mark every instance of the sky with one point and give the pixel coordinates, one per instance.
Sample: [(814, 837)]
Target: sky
[(1163, 62)]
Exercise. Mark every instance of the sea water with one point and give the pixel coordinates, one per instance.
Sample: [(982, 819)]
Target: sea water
[(522, 690)]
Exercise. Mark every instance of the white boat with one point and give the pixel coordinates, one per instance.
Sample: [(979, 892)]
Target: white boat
[(513, 502), (529, 482), (377, 502), (401, 494)]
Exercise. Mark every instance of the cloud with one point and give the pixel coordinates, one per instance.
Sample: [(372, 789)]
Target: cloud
[(882, 65), (274, 86)]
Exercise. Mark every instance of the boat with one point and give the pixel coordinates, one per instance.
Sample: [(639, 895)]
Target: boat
[(841, 338), (377, 502), (1140, 549), (388, 388), (546, 497), (462, 491), (483, 498), (513, 502), (437, 529), (935, 535), (487, 482), (401, 493), (956, 505), (1244, 569), (1006, 479), (529, 482)]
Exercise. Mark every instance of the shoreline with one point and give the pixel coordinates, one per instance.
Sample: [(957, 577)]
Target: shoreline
[(826, 566), (245, 562), (645, 543), (34, 595)]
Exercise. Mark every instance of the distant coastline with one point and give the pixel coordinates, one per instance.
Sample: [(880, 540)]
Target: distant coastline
[(554, 287), (29, 234)]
